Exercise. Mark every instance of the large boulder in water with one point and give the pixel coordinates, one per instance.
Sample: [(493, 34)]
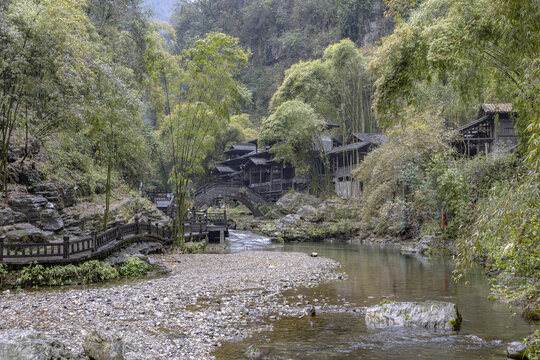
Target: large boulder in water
[(31, 345), (429, 314), (291, 202)]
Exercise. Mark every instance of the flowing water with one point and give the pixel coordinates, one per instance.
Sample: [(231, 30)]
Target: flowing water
[(373, 275)]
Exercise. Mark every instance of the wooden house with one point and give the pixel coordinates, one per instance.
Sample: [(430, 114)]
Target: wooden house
[(343, 159), (258, 170), (493, 130)]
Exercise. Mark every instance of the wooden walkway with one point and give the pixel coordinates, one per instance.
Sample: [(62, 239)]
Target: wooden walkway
[(101, 245)]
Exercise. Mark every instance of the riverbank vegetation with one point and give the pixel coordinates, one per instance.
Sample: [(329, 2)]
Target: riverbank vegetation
[(89, 272)]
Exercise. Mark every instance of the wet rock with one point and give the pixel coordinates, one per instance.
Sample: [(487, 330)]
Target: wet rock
[(290, 203), (51, 220), (516, 350), (429, 314), (253, 352), (420, 247), (31, 345), (314, 254), (101, 346), (29, 205), (27, 233)]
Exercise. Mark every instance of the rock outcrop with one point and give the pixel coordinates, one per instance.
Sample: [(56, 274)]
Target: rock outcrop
[(10, 217), (101, 346), (429, 314), (50, 220), (292, 202), (30, 345), (61, 194), (26, 233), (29, 205), (516, 350)]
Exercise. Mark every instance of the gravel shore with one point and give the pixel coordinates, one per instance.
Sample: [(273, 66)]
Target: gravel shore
[(205, 300)]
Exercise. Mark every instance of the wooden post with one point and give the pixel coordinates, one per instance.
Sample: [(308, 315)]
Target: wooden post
[(1, 249), (66, 247), (149, 226), (94, 240), (118, 231), (221, 236), (137, 226), (225, 216)]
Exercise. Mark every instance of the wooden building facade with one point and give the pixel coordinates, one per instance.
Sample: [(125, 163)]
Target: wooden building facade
[(493, 130)]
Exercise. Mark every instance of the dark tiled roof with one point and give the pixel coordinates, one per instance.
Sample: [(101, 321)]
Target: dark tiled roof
[(330, 124), (224, 169), (241, 148), (372, 138), (353, 146)]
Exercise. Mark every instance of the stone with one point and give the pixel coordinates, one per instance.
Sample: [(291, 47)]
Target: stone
[(27, 234), (516, 350), (10, 217), (309, 213), (29, 205), (310, 310), (291, 202), (429, 314), (101, 346), (420, 247), (314, 254), (31, 345), (51, 220), (61, 194)]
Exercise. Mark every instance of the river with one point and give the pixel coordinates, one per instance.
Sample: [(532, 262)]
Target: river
[(373, 275)]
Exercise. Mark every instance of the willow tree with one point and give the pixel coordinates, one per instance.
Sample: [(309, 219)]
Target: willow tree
[(208, 94)]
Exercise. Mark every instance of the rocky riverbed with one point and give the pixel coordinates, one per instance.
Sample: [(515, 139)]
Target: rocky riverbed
[(205, 300)]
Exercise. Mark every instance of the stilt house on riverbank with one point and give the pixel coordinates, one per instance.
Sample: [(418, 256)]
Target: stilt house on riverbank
[(249, 165), (493, 130)]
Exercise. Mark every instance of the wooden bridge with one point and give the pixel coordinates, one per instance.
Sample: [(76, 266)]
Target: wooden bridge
[(101, 245)]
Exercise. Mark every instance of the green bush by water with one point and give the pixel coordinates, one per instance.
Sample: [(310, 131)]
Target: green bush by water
[(134, 267)]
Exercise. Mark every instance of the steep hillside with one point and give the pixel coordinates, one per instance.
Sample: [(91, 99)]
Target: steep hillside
[(281, 33)]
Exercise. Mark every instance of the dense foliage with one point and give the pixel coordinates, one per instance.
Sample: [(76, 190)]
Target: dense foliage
[(280, 33)]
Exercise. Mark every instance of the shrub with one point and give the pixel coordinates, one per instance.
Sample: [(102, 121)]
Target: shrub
[(134, 267), (506, 235), (33, 275), (94, 271)]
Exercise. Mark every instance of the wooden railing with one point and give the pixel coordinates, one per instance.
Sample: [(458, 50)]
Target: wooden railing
[(196, 226)]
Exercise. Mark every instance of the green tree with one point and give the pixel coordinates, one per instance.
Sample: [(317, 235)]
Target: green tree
[(294, 131), (337, 87), (200, 107), (481, 49), (44, 48)]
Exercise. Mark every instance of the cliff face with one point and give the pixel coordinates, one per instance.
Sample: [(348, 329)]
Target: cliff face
[(278, 33)]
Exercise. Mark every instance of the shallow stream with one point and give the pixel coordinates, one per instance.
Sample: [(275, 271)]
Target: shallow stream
[(374, 275)]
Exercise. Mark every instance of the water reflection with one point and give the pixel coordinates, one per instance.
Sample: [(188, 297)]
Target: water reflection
[(375, 274)]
